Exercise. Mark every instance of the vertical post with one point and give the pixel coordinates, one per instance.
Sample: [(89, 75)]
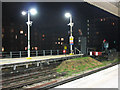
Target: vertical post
[(51, 52), (28, 23), (75, 50), (43, 52), (57, 52), (71, 25), (10, 54), (36, 53), (20, 54)]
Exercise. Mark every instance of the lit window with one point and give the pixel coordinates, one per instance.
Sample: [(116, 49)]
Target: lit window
[(61, 43), (113, 24), (88, 24), (88, 20), (25, 48), (58, 38), (32, 48), (36, 48), (101, 20), (58, 42), (88, 33), (25, 34), (43, 35), (21, 32), (3, 49), (88, 29), (62, 39), (16, 37), (55, 42), (104, 19)]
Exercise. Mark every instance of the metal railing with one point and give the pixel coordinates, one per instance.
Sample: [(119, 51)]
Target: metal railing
[(19, 54)]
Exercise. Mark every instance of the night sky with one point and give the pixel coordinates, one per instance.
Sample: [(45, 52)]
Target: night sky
[(50, 18), (49, 14)]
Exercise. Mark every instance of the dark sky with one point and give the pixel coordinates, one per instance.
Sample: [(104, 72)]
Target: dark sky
[(52, 13), (50, 17)]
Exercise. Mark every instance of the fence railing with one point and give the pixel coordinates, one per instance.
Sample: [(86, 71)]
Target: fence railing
[(19, 54)]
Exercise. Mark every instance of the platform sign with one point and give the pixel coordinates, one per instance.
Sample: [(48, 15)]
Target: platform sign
[(106, 45), (71, 40)]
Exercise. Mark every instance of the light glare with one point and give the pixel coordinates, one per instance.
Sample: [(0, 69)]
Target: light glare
[(23, 13), (67, 15), (33, 11)]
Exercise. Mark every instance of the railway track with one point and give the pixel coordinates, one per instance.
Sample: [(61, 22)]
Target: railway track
[(34, 79), (29, 76)]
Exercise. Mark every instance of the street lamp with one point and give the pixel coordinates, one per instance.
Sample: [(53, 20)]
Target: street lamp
[(29, 23), (68, 15)]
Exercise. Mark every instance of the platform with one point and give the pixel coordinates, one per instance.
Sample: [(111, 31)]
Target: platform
[(13, 61)]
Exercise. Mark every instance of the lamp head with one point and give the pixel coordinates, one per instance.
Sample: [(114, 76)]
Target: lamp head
[(24, 12), (67, 15), (33, 11)]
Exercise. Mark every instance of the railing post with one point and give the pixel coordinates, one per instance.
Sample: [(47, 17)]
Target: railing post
[(51, 52), (20, 54), (57, 52), (10, 54), (75, 50), (43, 52), (36, 53)]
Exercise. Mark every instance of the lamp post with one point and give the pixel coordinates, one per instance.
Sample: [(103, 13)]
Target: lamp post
[(29, 23), (68, 15)]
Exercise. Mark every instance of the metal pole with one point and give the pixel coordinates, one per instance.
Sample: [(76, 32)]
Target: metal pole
[(71, 24), (28, 34), (20, 54)]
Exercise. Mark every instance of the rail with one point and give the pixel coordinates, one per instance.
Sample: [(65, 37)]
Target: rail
[(19, 54)]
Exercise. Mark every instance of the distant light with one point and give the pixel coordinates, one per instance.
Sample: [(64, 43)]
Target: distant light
[(101, 20), (3, 49), (25, 48), (24, 12), (36, 48), (62, 39), (113, 24), (33, 11), (21, 32), (55, 42), (32, 48), (58, 42), (58, 38), (25, 34), (114, 42), (104, 40), (16, 37), (88, 20), (104, 19), (67, 15), (43, 35)]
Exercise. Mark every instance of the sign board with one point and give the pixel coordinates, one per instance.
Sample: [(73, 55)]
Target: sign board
[(106, 45), (71, 40)]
